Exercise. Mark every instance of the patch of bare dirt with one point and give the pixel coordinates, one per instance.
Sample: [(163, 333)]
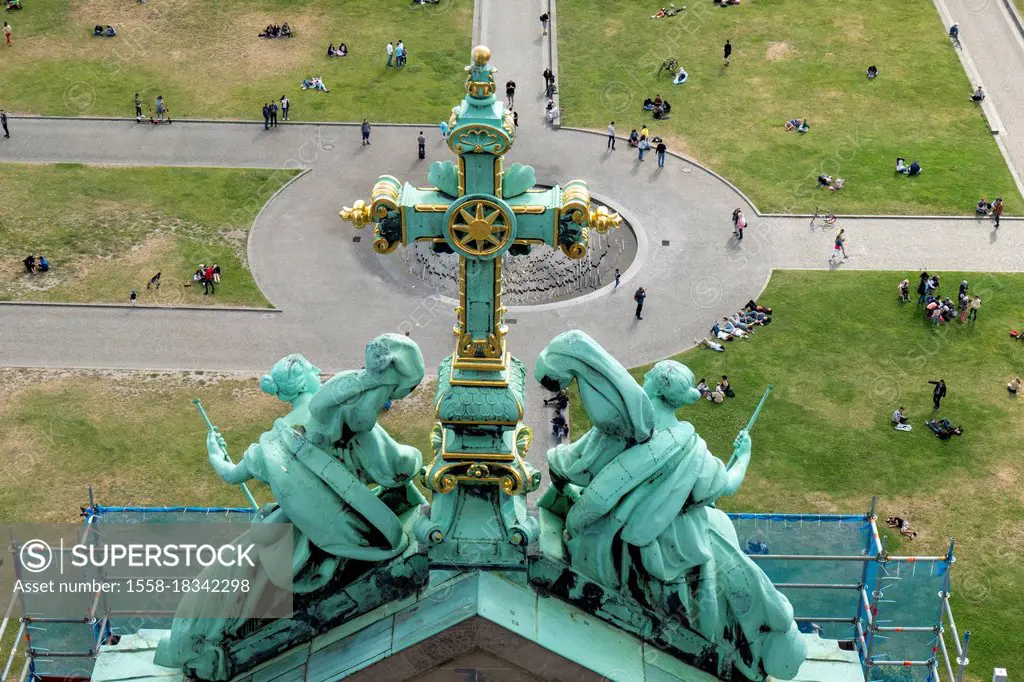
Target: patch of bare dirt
[(776, 52)]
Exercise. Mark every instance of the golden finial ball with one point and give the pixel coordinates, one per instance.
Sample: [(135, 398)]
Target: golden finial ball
[(481, 55)]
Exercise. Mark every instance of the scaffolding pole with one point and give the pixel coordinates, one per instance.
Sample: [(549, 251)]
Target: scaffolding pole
[(945, 658), (816, 586), (823, 619), (898, 628), (962, 660), (906, 664), (875, 597)]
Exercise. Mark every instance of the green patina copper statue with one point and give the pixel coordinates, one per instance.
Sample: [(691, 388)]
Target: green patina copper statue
[(318, 461), (637, 493)]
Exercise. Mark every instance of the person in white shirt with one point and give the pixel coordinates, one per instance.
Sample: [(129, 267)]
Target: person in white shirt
[(391, 52), (611, 136)]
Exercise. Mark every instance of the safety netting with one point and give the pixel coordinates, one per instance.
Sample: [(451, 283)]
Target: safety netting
[(820, 562), (823, 563)]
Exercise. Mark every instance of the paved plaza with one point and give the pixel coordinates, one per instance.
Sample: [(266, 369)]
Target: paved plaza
[(331, 294)]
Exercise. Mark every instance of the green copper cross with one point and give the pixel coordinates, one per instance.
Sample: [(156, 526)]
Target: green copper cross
[(480, 210)]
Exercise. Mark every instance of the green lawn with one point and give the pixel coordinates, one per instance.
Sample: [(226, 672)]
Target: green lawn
[(793, 59), (138, 440), (824, 442), (206, 60), (107, 230)]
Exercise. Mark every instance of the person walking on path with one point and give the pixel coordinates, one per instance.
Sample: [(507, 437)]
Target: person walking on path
[(510, 92), (839, 247), (273, 114), (939, 393), (975, 306), (365, 130), (515, 119), (7, 34), (728, 52), (421, 142), (266, 116), (997, 210), (138, 107), (640, 296), (3, 123), (391, 52), (611, 136), (545, 19), (132, 297), (285, 104), (618, 276), (661, 149), (741, 222)]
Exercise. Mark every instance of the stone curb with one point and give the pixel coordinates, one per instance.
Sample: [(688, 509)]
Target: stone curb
[(191, 308), (686, 159), (553, 57), (876, 216), (254, 225), (223, 121), (478, 21), (1015, 15)]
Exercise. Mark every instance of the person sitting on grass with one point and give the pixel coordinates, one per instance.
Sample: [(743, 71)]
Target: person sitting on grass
[(901, 165), (30, 264), (634, 138), (43, 265), (717, 396), (286, 30), (872, 72), (978, 94), (792, 123), (97, 30), (342, 50), (330, 50), (680, 76), (13, 5), (824, 181), (898, 417), (648, 104), (661, 111), (110, 32), (1013, 388), (982, 207), (702, 387), (902, 525), (914, 169)]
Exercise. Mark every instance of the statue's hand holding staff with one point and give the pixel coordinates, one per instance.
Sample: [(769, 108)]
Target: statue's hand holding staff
[(216, 447), (740, 447)]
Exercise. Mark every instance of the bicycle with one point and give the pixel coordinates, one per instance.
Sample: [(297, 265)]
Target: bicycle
[(827, 219), (954, 36), (670, 65)]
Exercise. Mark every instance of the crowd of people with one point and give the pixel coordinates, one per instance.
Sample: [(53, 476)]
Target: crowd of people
[(275, 31), (659, 105), (739, 325), (939, 309), (718, 394), (207, 275), (397, 54), (992, 210)]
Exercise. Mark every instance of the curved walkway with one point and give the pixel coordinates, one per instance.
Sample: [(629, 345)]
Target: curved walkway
[(334, 294)]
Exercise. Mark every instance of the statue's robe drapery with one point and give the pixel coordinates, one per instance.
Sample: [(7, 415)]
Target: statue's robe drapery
[(653, 501), (336, 518)]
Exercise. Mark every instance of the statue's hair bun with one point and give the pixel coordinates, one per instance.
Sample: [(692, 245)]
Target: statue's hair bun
[(268, 385)]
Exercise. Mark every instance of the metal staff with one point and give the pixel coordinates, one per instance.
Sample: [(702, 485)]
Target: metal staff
[(209, 425), (753, 417)]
